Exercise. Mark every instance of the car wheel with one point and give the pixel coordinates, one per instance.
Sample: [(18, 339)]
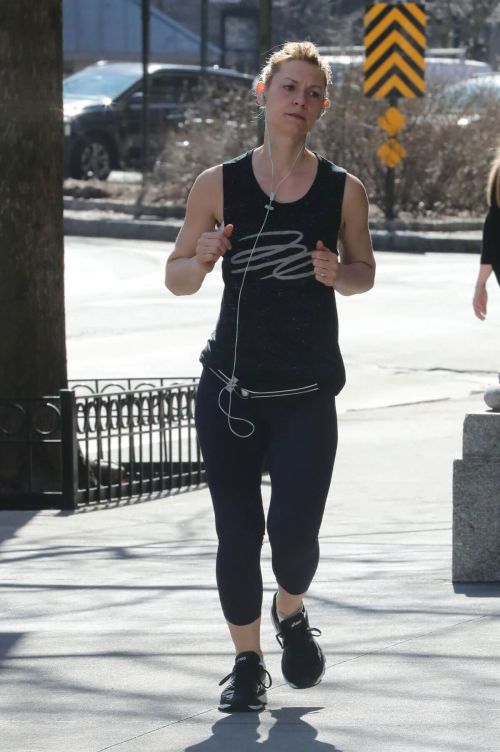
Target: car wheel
[(92, 158)]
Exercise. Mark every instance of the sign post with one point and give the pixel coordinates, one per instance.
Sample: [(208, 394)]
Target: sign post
[(395, 43)]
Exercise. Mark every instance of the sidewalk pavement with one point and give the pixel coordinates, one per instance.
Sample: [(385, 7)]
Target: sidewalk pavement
[(112, 637)]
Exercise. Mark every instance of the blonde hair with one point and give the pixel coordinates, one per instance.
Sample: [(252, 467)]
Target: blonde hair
[(306, 51), (493, 184)]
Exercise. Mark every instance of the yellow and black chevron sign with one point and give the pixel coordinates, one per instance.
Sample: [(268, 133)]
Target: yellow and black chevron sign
[(395, 50)]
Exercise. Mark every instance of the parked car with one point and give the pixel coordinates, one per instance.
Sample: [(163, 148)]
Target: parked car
[(439, 70), (103, 111), (467, 101)]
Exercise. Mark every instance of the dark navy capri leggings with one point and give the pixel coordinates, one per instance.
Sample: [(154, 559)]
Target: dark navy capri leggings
[(298, 436)]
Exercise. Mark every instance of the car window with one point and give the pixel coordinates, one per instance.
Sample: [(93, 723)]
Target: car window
[(172, 89), (97, 82), (228, 83), (480, 90), (190, 88)]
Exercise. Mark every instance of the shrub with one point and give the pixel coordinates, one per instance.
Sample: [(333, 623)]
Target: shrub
[(219, 128), (445, 169)]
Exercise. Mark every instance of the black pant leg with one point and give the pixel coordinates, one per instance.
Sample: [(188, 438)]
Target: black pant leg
[(302, 448), (233, 469)]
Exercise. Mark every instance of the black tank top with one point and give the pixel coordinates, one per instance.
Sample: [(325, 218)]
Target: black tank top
[(288, 327)]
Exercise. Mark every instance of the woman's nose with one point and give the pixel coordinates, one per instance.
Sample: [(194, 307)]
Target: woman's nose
[(300, 97)]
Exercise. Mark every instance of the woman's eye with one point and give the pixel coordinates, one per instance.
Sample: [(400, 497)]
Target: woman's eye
[(314, 94), (288, 86)]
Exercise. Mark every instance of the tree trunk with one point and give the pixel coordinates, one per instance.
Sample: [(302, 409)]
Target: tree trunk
[(33, 348), (32, 343)]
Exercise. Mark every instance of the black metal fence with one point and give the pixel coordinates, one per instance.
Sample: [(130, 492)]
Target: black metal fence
[(100, 440)]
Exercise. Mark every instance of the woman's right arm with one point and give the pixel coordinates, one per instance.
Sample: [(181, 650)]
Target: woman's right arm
[(480, 299), (199, 245)]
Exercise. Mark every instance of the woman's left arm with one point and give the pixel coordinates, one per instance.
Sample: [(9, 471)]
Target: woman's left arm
[(354, 272)]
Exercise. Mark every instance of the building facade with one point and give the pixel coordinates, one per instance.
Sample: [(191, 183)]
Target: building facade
[(112, 30)]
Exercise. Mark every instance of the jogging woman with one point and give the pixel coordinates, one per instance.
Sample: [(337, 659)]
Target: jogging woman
[(272, 368)]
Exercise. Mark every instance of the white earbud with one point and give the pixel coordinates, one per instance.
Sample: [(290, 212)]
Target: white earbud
[(260, 93), (325, 107)]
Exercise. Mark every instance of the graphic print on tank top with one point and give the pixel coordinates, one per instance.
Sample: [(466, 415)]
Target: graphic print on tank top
[(281, 253), (288, 329)]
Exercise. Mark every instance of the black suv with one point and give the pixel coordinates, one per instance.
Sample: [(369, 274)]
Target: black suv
[(103, 111)]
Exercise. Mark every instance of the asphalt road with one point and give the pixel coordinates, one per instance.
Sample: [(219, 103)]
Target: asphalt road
[(412, 338)]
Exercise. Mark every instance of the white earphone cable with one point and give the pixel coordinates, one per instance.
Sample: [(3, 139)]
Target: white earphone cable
[(231, 385)]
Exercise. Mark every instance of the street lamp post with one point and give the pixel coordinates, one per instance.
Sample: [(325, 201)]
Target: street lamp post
[(265, 29), (145, 84), (203, 33)]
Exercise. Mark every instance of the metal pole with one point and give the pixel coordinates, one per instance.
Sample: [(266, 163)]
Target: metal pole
[(265, 44), (265, 29), (69, 449), (145, 85), (204, 34), (389, 193), (390, 178)]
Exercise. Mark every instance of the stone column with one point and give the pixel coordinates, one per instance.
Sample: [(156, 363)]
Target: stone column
[(476, 501)]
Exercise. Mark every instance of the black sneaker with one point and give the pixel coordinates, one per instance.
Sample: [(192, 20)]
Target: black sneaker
[(302, 662), (246, 692)]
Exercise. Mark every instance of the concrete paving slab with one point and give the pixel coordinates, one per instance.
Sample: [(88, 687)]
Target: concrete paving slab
[(413, 697), (111, 635)]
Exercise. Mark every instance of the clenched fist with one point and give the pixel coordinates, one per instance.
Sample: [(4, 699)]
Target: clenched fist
[(211, 246), (326, 264)]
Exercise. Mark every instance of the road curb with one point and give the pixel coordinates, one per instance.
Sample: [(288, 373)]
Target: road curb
[(427, 242), (166, 231), (124, 229)]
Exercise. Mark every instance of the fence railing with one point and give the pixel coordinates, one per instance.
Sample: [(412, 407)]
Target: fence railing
[(100, 440)]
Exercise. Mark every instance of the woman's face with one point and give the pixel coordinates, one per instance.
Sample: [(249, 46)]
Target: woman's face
[(294, 97)]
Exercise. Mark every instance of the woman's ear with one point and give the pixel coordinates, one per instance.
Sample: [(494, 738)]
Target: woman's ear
[(260, 92)]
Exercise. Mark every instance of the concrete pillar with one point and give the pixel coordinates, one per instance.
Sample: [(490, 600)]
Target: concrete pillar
[(476, 501)]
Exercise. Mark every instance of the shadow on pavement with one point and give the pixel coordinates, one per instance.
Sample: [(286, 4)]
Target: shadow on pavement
[(289, 733), (7, 642), (11, 521)]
